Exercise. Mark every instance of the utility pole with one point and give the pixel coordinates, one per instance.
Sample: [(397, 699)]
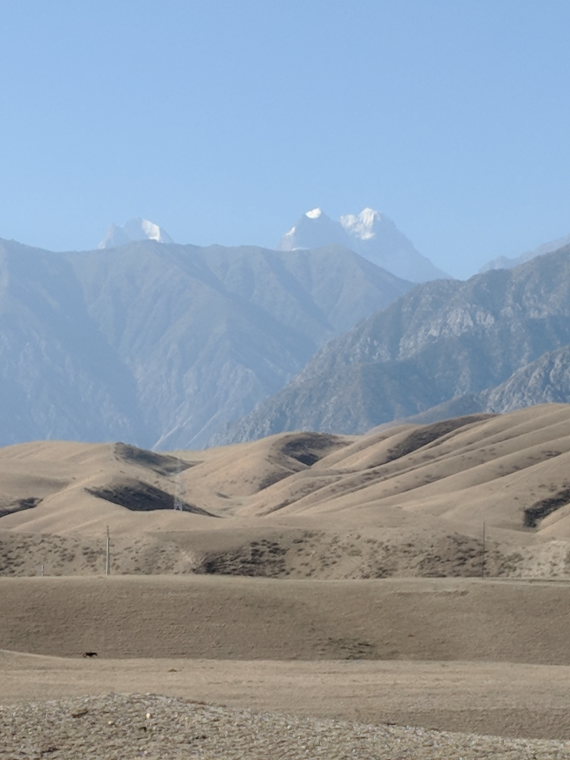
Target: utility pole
[(108, 553), (483, 557)]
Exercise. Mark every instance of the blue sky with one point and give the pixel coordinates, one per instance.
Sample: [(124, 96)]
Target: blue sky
[(224, 121)]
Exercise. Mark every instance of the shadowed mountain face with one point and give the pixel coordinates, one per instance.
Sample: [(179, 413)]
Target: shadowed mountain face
[(441, 341), (544, 381), (161, 344)]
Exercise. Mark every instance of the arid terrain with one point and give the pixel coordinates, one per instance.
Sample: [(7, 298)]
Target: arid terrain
[(403, 501), (400, 594)]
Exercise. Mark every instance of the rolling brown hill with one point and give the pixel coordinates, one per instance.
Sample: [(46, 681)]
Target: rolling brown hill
[(408, 500)]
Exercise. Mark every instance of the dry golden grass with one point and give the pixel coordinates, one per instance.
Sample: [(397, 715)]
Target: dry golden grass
[(409, 500)]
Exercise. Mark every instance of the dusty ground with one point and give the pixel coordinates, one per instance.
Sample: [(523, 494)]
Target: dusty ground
[(343, 650), (158, 727), (455, 654), (295, 581), (258, 618), (493, 698)]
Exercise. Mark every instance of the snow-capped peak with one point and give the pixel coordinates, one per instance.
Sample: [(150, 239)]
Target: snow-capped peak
[(313, 230), (368, 233), (361, 225), (133, 230), (152, 231)]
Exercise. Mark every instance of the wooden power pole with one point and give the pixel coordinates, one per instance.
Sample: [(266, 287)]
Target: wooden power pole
[(108, 553), (483, 554)]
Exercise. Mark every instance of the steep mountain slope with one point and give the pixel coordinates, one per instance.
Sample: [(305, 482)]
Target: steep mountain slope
[(163, 344), (544, 381), (55, 363), (547, 380), (369, 233), (442, 340)]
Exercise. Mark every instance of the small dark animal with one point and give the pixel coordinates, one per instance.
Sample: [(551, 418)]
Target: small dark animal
[(89, 654)]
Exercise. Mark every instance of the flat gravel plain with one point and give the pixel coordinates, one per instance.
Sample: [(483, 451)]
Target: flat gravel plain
[(125, 727)]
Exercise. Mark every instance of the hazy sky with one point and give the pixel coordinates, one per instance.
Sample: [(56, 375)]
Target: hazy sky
[(224, 120)]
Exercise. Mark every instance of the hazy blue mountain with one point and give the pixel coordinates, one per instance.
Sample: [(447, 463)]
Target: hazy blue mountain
[(442, 340), (504, 262), (369, 233), (60, 377), (544, 381), (161, 344)]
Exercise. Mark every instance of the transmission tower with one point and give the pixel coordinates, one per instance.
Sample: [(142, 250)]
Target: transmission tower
[(178, 500)]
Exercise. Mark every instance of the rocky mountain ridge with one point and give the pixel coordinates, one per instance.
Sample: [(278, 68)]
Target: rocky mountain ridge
[(544, 381), (442, 340)]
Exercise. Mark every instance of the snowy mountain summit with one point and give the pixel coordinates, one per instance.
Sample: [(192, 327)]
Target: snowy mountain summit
[(133, 230), (314, 230), (362, 225), (370, 233)]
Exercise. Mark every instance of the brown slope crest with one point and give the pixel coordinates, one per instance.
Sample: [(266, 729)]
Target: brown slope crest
[(488, 468), (429, 433), (163, 464)]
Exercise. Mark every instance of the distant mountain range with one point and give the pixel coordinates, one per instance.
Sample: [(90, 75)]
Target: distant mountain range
[(161, 344), (177, 346), (497, 342), (369, 233)]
